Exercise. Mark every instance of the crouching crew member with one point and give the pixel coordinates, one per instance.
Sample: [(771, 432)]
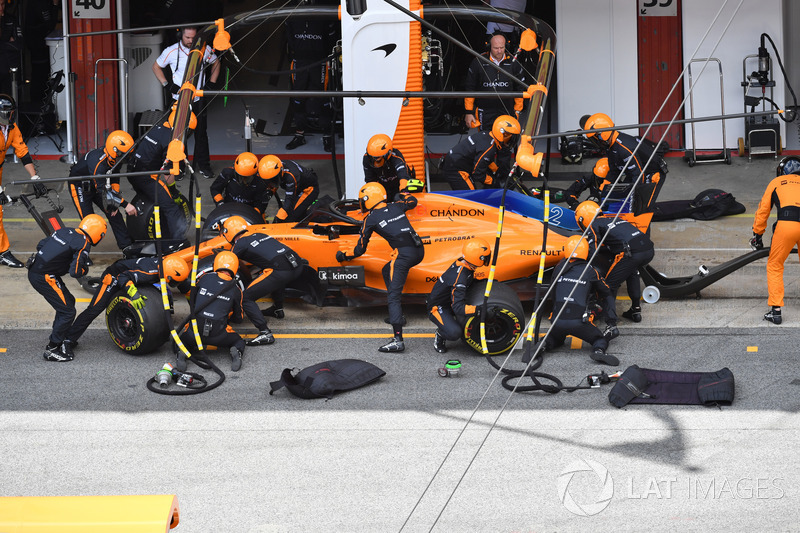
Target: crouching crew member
[(596, 184), (631, 250), (575, 302), (386, 165), (481, 156), (783, 192), (125, 274), (300, 183), (65, 251), (99, 162), (447, 306), (218, 300), (390, 222), (240, 184), (279, 266)]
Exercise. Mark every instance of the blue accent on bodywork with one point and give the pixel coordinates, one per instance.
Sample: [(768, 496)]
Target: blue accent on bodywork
[(520, 204)]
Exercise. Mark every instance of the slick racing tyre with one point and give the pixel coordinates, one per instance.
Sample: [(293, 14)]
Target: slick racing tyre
[(504, 322), (143, 227), (137, 331), (222, 212)]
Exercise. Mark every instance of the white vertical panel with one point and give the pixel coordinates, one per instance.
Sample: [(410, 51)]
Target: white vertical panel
[(741, 39), (375, 49), (596, 60)]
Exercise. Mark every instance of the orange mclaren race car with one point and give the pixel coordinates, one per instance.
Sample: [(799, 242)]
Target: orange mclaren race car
[(444, 222)]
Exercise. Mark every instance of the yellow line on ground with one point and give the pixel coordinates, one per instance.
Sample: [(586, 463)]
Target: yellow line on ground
[(752, 348), (2, 350), (340, 335)]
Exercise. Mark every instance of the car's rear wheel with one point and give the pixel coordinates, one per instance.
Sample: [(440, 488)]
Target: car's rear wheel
[(137, 331), (504, 322)]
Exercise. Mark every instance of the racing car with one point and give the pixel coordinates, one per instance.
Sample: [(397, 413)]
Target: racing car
[(443, 222)]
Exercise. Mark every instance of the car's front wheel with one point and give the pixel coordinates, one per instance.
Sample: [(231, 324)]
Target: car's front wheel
[(137, 331), (505, 319)]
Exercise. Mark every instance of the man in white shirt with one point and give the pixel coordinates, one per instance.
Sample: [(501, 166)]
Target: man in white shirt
[(176, 57)]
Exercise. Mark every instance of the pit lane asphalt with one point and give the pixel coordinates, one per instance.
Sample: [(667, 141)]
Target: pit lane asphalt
[(240, 459)]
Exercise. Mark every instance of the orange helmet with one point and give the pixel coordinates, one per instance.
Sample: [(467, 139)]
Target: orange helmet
[(601, 168), (598, 121), (269, 167), (233, 227), (585, 213), (577, 247), (378, 146), (175, 269), (116, 142), (94, 226), (370, 195), (505, 127), (246, 164), (476, 252), (171, 119), (226, 260)]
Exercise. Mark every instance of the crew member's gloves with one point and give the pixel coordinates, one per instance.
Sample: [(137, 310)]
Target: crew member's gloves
[(175, 193), (4, 198), (415, 185), (572, 202), (489, 180), (137, 300), (757, 242), (173, 87), (213, 85), (39, 189), (341, 256)]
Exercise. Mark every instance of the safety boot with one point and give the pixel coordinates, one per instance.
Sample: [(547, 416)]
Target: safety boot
[(262, 339), (394, 345), (439, 343), (53, 353), (634, 314), (611, 332), (236, 359), (601, 356), (774, 315), (8, 259), (327, 143), (274, 312), (298, 140), (66, 350)]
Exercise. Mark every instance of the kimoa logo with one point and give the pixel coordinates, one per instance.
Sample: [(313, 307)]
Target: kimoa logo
[(343, 275), (602, 499), (386, 48)]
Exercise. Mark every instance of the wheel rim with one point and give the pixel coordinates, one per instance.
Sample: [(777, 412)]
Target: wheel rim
[(502, 332), (125, 324)]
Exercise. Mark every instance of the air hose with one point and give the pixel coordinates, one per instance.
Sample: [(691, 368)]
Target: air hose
[(197, 384)]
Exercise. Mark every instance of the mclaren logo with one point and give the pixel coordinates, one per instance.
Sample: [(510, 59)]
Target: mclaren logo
[(386, 48)]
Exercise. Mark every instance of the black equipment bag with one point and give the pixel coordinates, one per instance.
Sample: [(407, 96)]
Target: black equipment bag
[(644, 385), (707, 205), (323, 380)]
